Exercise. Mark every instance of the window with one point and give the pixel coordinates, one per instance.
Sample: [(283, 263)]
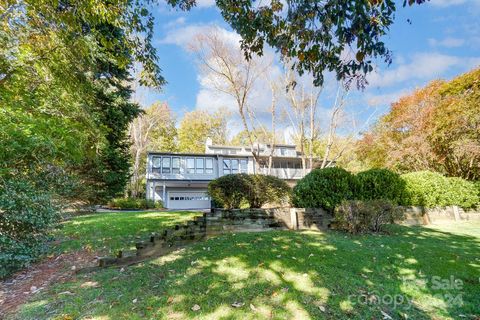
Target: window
[(283, 151), (175, 165), (226, 166), (243, 166), (200, 165), (190, 165), (166, 162), (156, 162), (208, 166), (234, 165)]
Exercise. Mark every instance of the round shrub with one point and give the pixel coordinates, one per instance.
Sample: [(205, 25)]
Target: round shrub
[(267, 189), (229, 191), (233, 190), (324, 188), (376, 184)]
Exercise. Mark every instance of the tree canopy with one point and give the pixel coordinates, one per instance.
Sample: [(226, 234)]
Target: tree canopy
[(338, 36), (435, 128)]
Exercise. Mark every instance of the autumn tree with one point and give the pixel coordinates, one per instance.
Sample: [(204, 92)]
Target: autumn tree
[(435, 128), (154, 130), (198, 125)]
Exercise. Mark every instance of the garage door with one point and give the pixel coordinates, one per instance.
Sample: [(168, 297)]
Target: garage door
[(188, 200)]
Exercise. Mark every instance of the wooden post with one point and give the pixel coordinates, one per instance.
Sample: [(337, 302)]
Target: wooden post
[(293, 219)]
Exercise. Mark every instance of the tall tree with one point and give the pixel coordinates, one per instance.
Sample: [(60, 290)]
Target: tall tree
[(435, 128), (341, 36), (196, 126), (230, 73), (154, 130)]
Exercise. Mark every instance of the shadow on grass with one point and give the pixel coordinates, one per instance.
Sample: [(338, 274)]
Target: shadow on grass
[(285, 275), (108, 232)]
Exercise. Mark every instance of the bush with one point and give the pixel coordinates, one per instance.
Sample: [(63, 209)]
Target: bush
[(27, 215), (357, 216), (233, 190), (265, 189), (462, 193), (229, 190), (324, 188), (376, 184), (134, 204), (430, 189)]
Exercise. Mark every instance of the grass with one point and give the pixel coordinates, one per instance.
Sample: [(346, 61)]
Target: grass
[(113, 231), (285, 275)]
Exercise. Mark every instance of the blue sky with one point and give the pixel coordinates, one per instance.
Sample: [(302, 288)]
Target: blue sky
[(442, 41)]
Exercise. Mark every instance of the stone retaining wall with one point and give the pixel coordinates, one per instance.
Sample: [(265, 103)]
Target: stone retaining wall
[(424, 216)]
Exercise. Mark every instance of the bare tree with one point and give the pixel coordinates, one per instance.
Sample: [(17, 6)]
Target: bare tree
[(228, 72), (156, 120)]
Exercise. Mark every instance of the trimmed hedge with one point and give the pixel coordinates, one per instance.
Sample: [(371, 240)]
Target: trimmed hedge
[(431, 189), (324, 188), (134, 204), (377, 184), (233, 190)]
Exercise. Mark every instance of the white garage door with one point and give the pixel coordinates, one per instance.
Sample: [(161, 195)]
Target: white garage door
[(188, 200)]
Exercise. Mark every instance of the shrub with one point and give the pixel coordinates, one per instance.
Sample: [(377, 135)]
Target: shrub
[(357, 216), (27, 215), (229, 190), (380, 184), (430, 189), (324, 188), (462, 193), (233, 190), (134, 204), (265, 189)]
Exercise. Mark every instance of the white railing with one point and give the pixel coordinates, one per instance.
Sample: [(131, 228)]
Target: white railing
[(285, 173)]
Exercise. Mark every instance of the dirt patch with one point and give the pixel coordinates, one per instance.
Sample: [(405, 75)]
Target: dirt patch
[(20, 287)]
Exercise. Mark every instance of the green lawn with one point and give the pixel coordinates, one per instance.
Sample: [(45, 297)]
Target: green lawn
[(110, 232), (282, 275)]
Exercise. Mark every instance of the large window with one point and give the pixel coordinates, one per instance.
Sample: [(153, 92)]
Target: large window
[(156, 162), (208, 166), (234, 166), (200, 165), (190, 165), (175, 165), (166, 163)]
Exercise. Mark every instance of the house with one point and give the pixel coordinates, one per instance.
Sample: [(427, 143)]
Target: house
[(180, 179)]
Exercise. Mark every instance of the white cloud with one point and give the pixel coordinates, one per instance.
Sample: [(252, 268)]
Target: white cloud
[(375, 100), (205, 3), (448, 42), (423, 66), (185, 35), (448, 3), (175, 23)]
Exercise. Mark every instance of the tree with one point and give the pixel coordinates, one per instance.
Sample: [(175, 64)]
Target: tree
[(435, 128), (340, 36), (154, 130), (196, 126), (230, 73)]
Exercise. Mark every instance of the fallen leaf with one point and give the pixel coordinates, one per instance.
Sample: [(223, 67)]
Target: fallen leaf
[(238, 304), (170, 300), (253, 307), (195, 307), (134, 300), (322, 308)]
